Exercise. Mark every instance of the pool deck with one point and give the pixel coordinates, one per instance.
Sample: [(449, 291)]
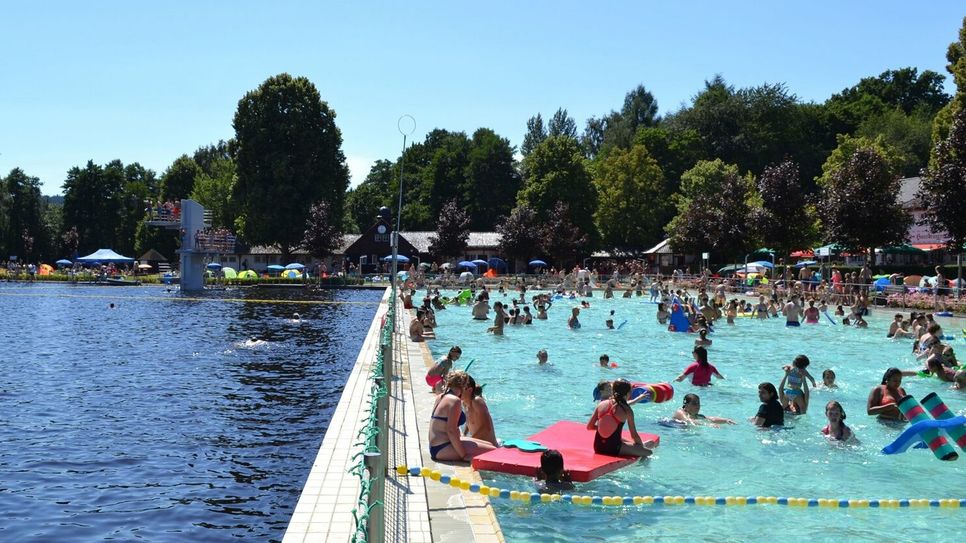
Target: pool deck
[(414, 512)]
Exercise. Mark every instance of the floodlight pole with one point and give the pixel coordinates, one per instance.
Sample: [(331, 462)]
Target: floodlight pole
[(405, 129)]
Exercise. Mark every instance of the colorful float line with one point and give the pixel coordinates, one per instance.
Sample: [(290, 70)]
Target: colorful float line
[(534, 497)]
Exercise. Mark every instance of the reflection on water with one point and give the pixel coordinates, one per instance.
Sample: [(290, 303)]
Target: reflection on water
[(164, 420)]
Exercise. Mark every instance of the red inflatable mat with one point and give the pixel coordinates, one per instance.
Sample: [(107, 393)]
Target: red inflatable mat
[(574, 441)]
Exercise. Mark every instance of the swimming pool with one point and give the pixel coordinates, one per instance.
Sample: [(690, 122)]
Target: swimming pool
[(160, 420), (727, 461)]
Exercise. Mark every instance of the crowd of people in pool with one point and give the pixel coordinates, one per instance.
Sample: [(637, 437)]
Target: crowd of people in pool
[(460, 402)]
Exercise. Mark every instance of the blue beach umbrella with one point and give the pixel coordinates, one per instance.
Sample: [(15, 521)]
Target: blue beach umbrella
[(480, 262), (804, 263), (399, 258), (213, 266), (496, 263), (64, 262), (295, 266), (538, 263), (276, 268), (466, 264), (762, 264)]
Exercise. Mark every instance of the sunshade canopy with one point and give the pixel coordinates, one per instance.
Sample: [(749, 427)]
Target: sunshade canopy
[(105, 256)]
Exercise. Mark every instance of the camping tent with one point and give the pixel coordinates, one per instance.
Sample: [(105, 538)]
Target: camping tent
[(105, 256)]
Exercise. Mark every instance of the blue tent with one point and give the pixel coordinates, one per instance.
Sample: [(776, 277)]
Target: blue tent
[(105, 256), (881, 284)]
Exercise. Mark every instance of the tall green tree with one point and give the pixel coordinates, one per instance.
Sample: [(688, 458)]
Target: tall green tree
[(208, 156), (859, 204), (444, 177), (943, 189), (905, 90), (712, 212), (26, 233), (556, 172), (617, 129), (562, 124), (783, 215), (289, 156), (92, 200), (676, 151), (491, 180), (364, 201), (909, 134), (535, 135), (452, 232), (213, 191), (753, 127), (4, 218), (634, 203), (956, 66), (178, 180)]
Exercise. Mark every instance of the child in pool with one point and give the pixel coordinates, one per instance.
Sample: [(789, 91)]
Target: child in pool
[(836, 430), (960, 383), (702, 340), (610, 320), (770, 413), (701, 370), (828, 379), (795, 397), (605, 389), (551, 475), (574, 322)]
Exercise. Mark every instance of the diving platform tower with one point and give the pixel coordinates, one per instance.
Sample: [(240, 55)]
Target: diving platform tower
[(194, 250)]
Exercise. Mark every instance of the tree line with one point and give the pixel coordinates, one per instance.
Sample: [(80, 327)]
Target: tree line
[(733, 169)]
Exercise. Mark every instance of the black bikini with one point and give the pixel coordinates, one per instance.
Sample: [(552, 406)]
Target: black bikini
[(434, 449)]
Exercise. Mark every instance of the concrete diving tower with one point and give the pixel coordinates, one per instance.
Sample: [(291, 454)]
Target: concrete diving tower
[(196, 245)]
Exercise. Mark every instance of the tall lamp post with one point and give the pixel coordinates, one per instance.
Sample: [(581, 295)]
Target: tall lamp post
[(406, 126)]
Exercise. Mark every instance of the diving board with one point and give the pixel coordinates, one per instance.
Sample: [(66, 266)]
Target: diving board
[(574, 441)]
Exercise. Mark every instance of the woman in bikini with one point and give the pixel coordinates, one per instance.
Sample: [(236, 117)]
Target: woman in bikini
[(884, 399), (608, 421), (445, 442)]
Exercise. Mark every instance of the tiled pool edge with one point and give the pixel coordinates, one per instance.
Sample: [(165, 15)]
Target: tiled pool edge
[(413, 512), (324, 509)]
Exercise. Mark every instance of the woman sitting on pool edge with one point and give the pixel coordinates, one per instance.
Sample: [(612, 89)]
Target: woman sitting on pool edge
[(690, 413), (445, 442), (608, 422)]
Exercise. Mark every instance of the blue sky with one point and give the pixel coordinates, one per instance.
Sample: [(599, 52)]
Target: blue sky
[(148, 82)]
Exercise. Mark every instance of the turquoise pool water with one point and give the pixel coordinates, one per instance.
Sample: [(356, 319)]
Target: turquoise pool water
[(727, 461)]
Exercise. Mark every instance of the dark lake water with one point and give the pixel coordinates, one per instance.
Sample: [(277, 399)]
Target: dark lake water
[(160, 420)]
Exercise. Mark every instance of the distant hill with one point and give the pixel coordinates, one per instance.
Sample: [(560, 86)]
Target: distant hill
[(56, 200)]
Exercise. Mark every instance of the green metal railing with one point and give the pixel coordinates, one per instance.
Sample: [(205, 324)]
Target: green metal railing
[(371, 462)]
